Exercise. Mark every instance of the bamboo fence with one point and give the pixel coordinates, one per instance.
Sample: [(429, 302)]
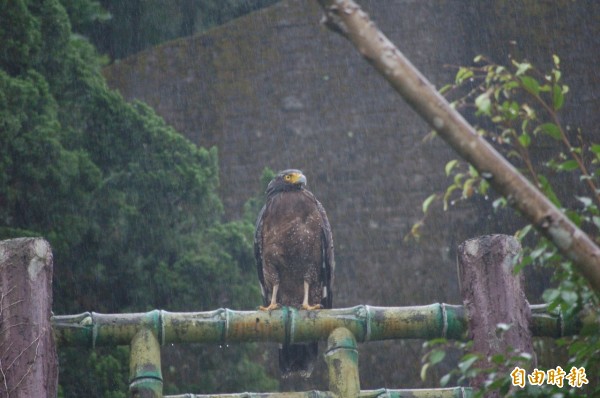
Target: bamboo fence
[(342, 327), (224, 326)]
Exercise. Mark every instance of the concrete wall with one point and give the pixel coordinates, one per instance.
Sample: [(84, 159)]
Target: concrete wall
[(277, 89)]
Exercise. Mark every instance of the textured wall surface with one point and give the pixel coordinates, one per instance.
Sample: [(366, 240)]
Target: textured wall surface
[(277, 89)]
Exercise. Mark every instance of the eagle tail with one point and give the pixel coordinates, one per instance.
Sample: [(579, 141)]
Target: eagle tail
[(298, 359)]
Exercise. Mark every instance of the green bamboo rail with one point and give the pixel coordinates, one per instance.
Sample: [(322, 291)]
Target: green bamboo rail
[(343, 327), (454, 392), (225, 326)]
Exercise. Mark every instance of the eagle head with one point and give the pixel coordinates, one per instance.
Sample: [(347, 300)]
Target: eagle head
[(286, 180)]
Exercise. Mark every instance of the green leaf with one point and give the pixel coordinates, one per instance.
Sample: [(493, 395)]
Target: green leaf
[(551, 129), (530, 84), (473, 171), (434, 342), (499, 203), (525, 261), (437, 356), (484, 104), (548, 191), (569, 297), (427, 202), (468, 191), (558, 98), (467, 362), (513, 153), (498, 359), (557, 75), (574, 216), (463, 74), (521, 67), (550, 295), (520, 234), (450, 165), (484, 186), (538, 252), (523, 357), (525, 140), (445, 379), (556, 60), (595, 148), (510, 110), (449, 191), (587, 202), (568, 165), (445, 88), (424, 371)]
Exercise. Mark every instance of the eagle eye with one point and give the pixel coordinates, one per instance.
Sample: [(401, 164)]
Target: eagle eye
[(288, 177)]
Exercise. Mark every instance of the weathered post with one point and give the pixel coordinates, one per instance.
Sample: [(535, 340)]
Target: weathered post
[(28, 360), (493, 296), (342, 361)]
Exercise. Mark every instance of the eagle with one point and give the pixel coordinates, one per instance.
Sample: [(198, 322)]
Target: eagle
[(293, 246)]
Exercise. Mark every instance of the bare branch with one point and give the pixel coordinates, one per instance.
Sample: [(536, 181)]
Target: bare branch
[(30, 367), (4, 380), (456, 131)]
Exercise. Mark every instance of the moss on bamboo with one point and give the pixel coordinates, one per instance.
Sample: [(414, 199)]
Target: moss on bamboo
[(145, 366), (225, 326)]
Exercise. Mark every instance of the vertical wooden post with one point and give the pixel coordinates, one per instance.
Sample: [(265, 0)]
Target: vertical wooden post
[(144, 366), (493, 295), (28, 360), (342, 361)]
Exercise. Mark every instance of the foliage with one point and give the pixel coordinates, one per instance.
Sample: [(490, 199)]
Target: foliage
[(127, 27), (253, 205), (518, 110), (129, 205)]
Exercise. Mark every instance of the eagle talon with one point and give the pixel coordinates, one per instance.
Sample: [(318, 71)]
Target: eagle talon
[(271, 307), (311, 307)]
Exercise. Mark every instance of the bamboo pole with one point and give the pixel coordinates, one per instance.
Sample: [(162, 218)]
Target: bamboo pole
[(454, 392), (224, 326), (342, 363), (347, 18), (144, 366)]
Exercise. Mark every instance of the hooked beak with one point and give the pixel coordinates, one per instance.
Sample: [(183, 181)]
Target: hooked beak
[(298, 178)]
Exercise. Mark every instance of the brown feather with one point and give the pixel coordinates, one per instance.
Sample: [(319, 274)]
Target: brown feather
[(293, 244)]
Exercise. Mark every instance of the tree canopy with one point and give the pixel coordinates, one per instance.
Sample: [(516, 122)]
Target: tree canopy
[(128, 204), (120, 28)]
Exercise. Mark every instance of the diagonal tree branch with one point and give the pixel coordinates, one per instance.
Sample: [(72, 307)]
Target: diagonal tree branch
[(346, 17)]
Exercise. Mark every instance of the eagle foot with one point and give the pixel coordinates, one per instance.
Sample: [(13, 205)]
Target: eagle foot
[(271, 307), (309, 307)]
